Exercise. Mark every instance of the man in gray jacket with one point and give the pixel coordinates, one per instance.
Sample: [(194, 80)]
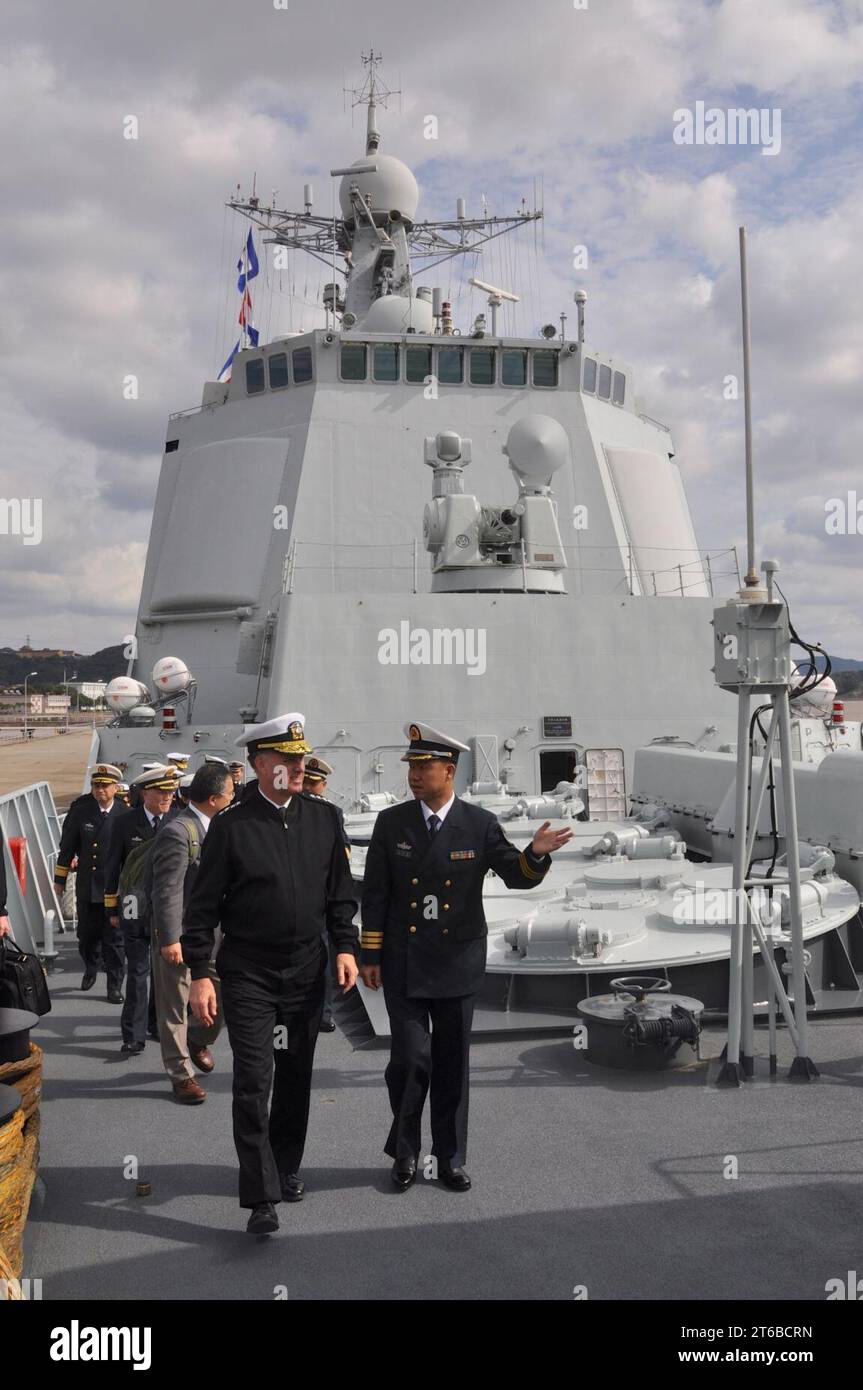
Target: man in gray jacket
[(175, 856)]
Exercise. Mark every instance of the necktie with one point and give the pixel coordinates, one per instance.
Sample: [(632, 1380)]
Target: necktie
[(284, 815), (156, 820), (434, 825)]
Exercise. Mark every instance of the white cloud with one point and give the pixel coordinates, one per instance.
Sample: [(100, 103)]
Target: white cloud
[(780, 44), (118, 258)]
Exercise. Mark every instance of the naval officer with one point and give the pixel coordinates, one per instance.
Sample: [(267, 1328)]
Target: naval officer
[(156, 789), (274, 875), (238, 773), (315, 775), (423, 937), (86, 832)]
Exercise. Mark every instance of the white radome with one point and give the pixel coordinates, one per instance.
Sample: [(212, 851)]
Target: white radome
[(537, 446), (392, 188), (123, 693), (395, 313), (171, 675), (818, 704)]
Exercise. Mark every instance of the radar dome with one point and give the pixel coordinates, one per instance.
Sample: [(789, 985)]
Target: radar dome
[(123, 694), (395, 313), (392, 188), (818, 704), (171, 675), (536, 446)]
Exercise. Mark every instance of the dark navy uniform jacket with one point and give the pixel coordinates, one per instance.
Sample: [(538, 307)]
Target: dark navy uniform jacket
[(341, 815), (272, 889), (422, 914), (86, 834), (130, 829)]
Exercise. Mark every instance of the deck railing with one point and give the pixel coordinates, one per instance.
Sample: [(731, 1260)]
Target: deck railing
[(29, 815), (649, 571)]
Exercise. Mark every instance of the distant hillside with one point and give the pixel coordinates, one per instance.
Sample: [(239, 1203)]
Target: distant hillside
[(101, 666), (847, 673), (842, 663), (849, 683)]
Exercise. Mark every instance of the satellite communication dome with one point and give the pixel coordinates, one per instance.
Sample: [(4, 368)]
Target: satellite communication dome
[(818, 704), (392, 188), (394, 313), (123, 694), (171, 675), (536, 447)]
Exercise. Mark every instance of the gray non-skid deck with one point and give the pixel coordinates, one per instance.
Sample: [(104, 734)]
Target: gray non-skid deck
[(581, 1178)]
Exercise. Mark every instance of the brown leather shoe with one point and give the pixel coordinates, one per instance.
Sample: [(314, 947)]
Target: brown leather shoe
[(188, 1092), (203, 1059)]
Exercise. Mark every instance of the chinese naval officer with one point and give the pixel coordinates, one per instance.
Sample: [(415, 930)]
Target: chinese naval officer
[(423, 938), (86, 832), (274, 875)]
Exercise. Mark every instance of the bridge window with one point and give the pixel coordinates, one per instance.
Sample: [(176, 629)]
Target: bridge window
[(450, 366), (589, 380), (386, 362), (545, 368), (514, 368), (353, 362), (418, 363), (604, 390), (302, 365), (255, 376), (618, 389), (482, 367), (278, 370)]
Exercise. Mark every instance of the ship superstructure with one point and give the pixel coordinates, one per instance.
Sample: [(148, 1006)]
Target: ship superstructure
[(398, 516)]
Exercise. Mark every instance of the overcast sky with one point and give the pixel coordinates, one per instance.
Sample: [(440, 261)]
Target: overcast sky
[(118, 254)]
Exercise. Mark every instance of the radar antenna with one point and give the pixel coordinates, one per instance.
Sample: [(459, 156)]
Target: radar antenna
[(431, 242), (369, 94)]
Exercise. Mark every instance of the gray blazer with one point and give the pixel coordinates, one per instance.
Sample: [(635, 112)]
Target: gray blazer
[(173, 874)]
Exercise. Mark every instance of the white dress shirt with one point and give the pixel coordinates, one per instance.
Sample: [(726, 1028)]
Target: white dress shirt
[(441, 814), (205, 820), (279, 805)]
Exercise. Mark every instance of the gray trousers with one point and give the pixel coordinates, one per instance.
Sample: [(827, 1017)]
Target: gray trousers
[(179, 1031)]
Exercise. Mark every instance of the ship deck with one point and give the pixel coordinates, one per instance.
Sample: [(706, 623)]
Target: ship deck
[(582, 1177)]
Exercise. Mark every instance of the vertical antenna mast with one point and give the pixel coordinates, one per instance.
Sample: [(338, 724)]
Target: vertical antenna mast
[(752, 640), (752, 579), (373, 138), (371, 93)]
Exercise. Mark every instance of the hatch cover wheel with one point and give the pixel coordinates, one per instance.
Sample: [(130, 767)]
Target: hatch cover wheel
[(639, 985)]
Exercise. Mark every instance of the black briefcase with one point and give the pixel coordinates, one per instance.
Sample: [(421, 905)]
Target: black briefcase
[(22, 980)]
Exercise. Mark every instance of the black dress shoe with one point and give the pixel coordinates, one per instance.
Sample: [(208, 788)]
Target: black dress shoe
[(292, 1187), (88, 979), (327, 1026), (114, 996), (454, 1178), (133, 1048), (263, 1220), (404, 1173)]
